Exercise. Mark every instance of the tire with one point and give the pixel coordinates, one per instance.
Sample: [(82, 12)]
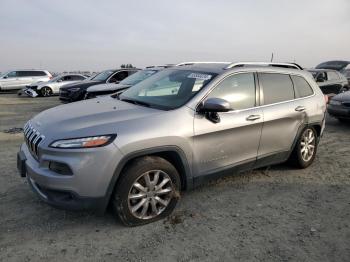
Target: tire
[(144, 203), (302, 157), (46, 91)]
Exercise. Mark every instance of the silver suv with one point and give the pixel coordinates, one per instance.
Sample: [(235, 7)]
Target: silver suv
[(18, 79), (171, 132)]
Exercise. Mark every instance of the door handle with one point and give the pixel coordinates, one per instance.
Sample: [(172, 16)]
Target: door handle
[(300, 108), (253, 117)]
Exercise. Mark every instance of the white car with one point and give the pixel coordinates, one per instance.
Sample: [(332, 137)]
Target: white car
[(18, 79), (53, 86)]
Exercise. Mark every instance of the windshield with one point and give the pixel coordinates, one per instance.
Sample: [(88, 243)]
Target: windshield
[(55, 78), (138, 77), (103, 76), (169, 89), (4, 73)]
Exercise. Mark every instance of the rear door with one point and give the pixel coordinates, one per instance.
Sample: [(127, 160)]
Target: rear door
[(283, 116), (235, 139)]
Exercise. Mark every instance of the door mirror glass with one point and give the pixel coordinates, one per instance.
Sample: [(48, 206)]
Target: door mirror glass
[(215, 105)]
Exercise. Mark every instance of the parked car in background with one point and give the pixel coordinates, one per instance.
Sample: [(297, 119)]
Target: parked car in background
[(337, 65), (76, 91), (339, 106), (17, 79), (171, 132), (105, 89), (331, 82), (346, 73), (52, 86)]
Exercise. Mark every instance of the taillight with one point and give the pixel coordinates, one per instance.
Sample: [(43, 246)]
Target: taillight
[(326, 99)]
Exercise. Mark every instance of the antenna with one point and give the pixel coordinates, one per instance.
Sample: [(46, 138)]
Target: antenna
[(271, 57)]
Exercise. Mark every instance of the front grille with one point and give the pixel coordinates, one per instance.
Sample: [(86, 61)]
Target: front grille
[(33, 139)]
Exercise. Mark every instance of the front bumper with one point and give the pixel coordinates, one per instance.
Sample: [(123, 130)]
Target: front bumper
[(339, 111), (67, 96), (85, 188)]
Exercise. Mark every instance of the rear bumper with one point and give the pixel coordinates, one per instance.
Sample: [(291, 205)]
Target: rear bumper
[(339, 111)]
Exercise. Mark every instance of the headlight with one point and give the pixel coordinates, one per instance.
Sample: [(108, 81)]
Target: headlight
[(335, 102), (85, 142)]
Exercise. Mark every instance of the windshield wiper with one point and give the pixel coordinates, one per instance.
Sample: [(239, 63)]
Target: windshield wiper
[(135, 102)]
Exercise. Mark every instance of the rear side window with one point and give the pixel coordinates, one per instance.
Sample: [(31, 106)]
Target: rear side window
[(77, 78), (238, 90), (332, 76), (301, 87), (276, 87), (31, 73)]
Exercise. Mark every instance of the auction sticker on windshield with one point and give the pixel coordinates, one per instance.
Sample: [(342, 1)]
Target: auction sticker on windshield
[(199, 76)]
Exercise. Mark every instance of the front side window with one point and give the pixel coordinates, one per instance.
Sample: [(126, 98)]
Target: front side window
[(168, 89), (238, 90), (12, 74), (276, 87), (301, 87), (117, 77)]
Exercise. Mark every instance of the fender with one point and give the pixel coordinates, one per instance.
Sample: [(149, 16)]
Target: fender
[(149, 151)]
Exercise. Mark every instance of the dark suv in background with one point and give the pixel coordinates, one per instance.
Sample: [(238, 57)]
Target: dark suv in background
[(77, 91), (105, 89), (331, 82)]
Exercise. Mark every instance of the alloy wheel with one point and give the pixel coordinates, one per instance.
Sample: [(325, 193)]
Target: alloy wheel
[(307, 145), (150, 194)]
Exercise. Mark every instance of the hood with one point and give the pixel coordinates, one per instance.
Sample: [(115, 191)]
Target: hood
[(92, 117), (107, 87), (82, 84), (343, 97)]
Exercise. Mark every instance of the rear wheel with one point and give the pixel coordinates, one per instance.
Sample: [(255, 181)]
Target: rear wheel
[(46, 91), (305, 149), (147, 191)]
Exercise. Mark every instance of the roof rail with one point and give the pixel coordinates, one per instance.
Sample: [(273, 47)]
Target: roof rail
[(165, 66), (285, 65), (203, 62)]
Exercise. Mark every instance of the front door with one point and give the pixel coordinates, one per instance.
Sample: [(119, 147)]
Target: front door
[(235, 139)]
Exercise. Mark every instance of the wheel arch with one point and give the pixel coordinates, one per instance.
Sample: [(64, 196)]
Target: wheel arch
[(173, 154)]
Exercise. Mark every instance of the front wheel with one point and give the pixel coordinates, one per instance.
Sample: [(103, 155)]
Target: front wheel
[(46, 91), (305, 149), (147, 191)]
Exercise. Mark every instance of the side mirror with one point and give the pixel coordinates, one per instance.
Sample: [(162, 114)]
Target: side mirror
[(320, 79), (59, 80), (212, 106), (5, 77), (215, 105)]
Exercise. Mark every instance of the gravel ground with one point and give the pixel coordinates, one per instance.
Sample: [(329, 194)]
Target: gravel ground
[(271, 214)]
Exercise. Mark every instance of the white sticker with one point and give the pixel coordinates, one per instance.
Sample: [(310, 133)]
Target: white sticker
[(199, 76)]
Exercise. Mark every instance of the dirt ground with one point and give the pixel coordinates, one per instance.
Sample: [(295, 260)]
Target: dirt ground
[(271, 214)]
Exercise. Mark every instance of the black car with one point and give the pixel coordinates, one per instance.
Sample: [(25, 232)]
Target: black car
[(105, 89), (77, 91), (339, 106), (330, 81), (337, 65)]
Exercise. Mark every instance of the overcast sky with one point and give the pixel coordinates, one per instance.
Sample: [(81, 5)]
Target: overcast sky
[(95, 35)]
